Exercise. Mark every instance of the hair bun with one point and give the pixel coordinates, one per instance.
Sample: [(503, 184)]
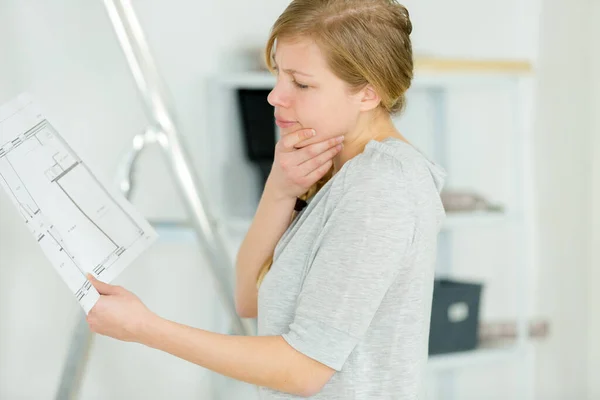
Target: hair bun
[(406, 23)]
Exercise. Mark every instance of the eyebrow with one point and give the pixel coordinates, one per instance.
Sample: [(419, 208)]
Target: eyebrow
[(293, 71)]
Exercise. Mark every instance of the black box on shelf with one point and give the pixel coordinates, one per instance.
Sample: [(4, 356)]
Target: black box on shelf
[(454, 316), (258, 129)]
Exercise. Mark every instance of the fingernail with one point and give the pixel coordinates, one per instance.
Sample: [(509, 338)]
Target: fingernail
[(340, 138), (314, 132)]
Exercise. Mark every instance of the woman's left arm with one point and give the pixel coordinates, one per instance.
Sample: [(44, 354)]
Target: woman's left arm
[(267, 361)]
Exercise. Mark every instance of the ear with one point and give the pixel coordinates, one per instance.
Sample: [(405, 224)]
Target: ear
[(369, 99)]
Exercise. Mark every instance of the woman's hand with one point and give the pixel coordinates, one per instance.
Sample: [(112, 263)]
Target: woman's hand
[(300, 161), (118, 313)]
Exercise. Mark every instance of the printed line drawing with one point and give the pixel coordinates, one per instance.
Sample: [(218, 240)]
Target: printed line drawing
[(79, 224)]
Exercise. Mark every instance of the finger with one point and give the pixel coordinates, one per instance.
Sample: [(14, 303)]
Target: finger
[(319, 172), (309, 166), (316, 149), (289, 141), (101, 287)]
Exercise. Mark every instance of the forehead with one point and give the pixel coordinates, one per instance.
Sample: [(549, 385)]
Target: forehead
[(303, 55)]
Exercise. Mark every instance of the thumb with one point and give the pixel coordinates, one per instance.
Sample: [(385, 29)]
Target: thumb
[(101, 287)]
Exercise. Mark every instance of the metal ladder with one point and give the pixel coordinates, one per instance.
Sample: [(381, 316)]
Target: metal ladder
[(162, 130)]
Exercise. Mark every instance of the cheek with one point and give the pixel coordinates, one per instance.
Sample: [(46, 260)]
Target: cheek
[(329, 117)]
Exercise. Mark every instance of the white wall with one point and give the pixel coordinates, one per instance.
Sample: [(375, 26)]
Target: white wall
[(564, 173), (9, 72), (66, 54), (69, 59), (594, 304)]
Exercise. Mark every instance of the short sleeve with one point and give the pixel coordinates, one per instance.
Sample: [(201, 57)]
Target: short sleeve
[(359, 254)]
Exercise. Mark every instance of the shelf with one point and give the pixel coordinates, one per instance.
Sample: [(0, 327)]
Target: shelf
[(181, 232), (248, 80), (235, 228), (174, 232), (465, 65), (472, 219), (477, 357), (429, 72)]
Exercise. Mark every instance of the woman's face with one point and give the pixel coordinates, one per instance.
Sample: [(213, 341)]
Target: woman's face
[(308, 94)]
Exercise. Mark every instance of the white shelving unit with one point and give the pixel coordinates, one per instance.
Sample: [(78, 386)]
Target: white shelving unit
[(437, 77), (475, 358), (179, 231)]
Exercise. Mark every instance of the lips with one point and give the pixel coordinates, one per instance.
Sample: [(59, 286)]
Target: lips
[(283, 123)]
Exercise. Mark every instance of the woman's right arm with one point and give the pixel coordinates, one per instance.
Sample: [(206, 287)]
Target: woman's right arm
[(300, 161), (271, 220)]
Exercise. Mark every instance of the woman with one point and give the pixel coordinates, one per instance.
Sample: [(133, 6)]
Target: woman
[(338, 264)]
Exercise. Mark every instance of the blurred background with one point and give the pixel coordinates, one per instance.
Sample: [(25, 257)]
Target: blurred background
[(506, 98)]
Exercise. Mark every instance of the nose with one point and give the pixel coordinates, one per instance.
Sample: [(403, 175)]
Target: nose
[(278, 97)]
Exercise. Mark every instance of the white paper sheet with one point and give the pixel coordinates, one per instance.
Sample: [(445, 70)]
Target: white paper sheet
[(81, 225)]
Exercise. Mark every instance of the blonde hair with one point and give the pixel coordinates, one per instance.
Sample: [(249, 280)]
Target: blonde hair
[(364, 42)]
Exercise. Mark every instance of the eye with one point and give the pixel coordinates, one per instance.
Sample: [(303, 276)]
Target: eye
[(300, 86)]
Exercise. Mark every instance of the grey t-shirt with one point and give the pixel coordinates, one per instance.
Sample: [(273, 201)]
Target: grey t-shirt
[(351, 284)]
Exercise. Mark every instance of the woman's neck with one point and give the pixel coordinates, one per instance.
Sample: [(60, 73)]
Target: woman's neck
[(377, 128)]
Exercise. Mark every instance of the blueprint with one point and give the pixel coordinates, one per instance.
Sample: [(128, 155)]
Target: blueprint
[(80, 225)]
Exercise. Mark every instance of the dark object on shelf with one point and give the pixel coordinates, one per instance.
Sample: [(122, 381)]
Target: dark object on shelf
[(508, 330), (455, 200), (259, 131), (454, 316)]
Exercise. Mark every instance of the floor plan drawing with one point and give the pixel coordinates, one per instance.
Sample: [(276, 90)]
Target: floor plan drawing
[(80, 225)]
